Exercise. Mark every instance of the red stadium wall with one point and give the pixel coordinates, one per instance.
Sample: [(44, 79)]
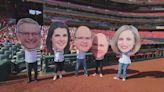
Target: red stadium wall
[(143, 34)]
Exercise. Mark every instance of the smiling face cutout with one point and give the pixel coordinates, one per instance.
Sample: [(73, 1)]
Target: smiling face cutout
[(125, 41), (83, 38), (59, 38), (29, 35), (100, 45)]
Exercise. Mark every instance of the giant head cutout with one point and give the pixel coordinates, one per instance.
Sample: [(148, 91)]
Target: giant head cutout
[(58, 36), (100, 45), (126, 40), (83, 38), (28, 33)]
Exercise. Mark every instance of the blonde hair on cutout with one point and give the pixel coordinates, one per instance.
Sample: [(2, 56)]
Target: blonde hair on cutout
[(115, 37)]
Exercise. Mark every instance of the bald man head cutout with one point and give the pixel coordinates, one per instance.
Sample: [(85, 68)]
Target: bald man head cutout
[(100, 45), (83, 38)]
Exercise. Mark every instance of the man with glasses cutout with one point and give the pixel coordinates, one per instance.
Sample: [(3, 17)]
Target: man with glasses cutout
[(28, 33)]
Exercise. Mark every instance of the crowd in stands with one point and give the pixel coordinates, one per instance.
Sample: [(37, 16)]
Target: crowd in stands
[(9, 34)]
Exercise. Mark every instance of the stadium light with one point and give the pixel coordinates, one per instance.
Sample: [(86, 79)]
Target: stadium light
[(34, 12)]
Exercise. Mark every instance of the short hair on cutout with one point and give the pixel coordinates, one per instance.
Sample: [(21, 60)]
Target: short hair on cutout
[(92, 34), (26, 20), (51, 30), (134, 30)]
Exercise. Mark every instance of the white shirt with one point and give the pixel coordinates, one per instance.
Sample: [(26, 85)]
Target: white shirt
[(58, 56), (30, 56), (80, 54), (124, 59)]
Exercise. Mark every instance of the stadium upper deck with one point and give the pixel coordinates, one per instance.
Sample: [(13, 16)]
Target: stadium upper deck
[(145, 16)]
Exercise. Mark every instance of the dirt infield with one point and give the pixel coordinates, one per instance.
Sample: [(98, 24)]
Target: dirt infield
[(147, 76)]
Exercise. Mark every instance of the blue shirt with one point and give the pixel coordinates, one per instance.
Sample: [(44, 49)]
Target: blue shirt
[(80, 54)]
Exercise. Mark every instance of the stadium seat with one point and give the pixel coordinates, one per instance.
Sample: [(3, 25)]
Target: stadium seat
[(1, 51), (2, 56), (7, 53), (5, 48), (20, 62)]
